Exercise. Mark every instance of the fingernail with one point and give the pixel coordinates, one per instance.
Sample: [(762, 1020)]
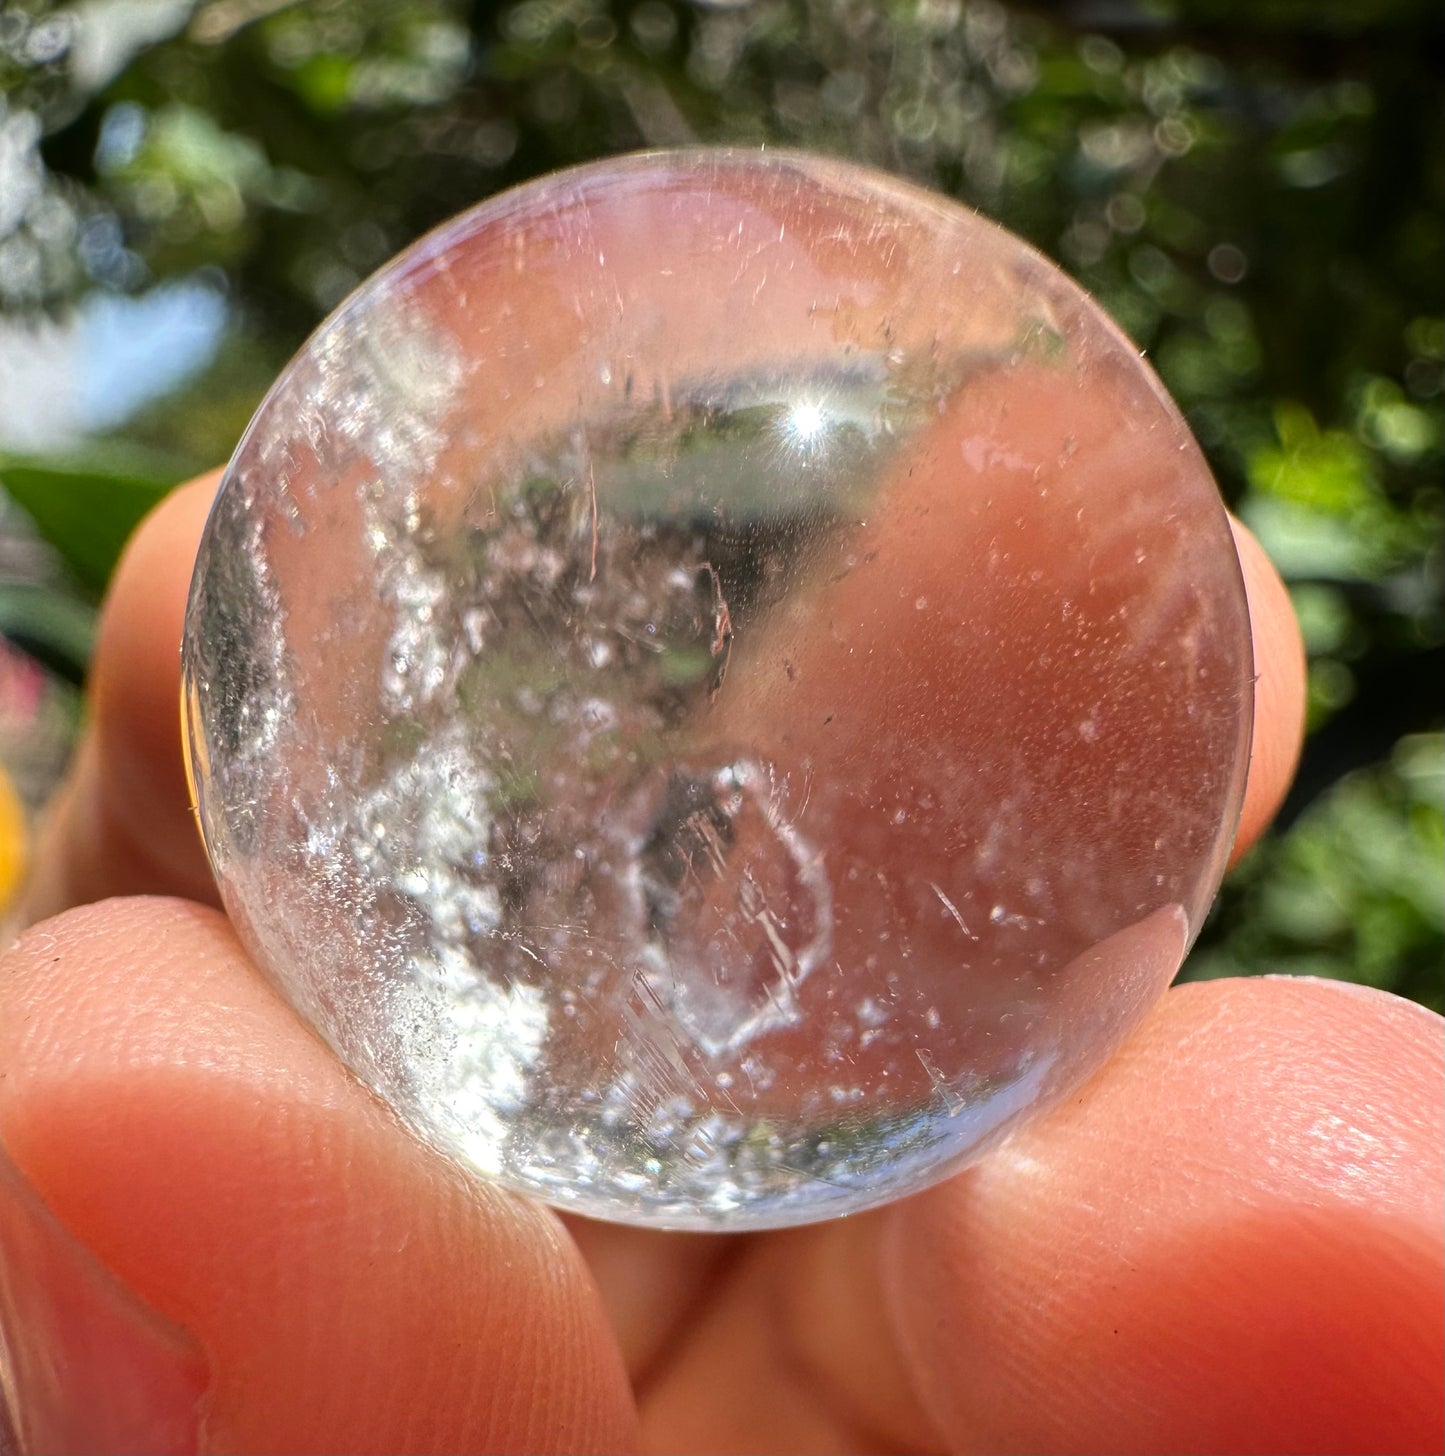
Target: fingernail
[(84, 1364)]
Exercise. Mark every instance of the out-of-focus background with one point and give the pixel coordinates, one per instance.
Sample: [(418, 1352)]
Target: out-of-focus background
[(1255, 189)]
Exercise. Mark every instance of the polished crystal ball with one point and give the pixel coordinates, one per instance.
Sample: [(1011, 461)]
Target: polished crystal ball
[(718, 682)]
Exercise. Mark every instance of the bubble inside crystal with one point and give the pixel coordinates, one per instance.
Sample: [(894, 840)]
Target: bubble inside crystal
[(718, 682)]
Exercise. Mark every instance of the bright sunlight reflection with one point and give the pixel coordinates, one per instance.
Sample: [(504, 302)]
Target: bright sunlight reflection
[(805, 426)]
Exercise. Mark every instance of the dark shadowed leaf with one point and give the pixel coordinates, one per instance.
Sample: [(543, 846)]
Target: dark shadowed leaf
[(50, 624)]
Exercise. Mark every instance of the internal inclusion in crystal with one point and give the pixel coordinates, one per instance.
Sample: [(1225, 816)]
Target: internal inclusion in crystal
[(600, 599), (738, 907)]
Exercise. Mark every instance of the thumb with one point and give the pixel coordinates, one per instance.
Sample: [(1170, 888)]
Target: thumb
[(222, 1242)]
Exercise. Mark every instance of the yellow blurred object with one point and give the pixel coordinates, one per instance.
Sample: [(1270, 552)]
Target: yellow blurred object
[(14, 839)]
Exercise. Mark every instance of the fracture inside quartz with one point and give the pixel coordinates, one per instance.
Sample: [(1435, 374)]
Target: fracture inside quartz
[(718, 682)]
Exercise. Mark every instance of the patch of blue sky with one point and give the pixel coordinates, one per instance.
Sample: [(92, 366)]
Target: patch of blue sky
[(136, 350)]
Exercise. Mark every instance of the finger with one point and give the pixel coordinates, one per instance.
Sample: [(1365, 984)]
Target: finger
[(343, 1287), (651, 1283), (813, 1301), (800, 1325), (1279, 690), (1232, 1242), (805, 1313), (122, 822)]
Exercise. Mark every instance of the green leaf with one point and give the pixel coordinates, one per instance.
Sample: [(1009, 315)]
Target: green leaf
[(87, 506), (324, 82)]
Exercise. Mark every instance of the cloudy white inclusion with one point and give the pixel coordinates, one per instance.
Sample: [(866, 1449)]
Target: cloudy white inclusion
[(469, 1040)]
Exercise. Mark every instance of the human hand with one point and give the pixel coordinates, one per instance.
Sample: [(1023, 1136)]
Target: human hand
[(212, 1238)]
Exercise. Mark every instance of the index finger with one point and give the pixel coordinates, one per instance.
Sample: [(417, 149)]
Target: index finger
[(121, 823)]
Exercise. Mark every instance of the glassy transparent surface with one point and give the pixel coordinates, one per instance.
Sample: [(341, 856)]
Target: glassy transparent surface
[(718, 682)]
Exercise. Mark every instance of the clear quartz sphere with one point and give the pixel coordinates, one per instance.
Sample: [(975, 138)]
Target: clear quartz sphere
[(718, 682)]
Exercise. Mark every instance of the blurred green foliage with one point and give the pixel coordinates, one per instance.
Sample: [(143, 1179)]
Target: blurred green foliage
[(1255, 191), (1352, 890), (86, 506)]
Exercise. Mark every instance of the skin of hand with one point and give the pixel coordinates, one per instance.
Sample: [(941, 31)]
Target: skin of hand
[(213, 1239)]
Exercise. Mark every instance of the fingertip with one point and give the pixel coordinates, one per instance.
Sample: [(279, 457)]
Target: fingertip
[(1279, 690), (350, 1289), (1231, 1241)]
